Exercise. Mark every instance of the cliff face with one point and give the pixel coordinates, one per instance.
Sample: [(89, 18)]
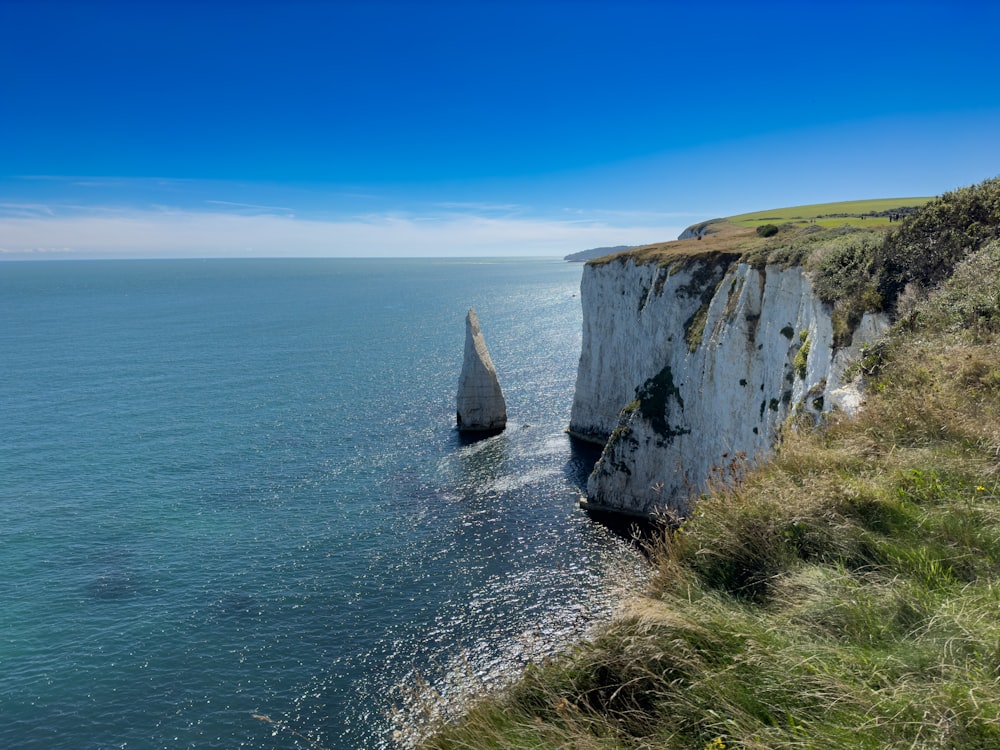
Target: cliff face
[(686, 368)]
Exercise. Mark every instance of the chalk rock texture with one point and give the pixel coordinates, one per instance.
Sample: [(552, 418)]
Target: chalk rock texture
[(689, 370), (481, 405)]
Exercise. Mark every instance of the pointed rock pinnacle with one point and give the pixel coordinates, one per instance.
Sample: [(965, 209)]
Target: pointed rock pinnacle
[(481, 405)]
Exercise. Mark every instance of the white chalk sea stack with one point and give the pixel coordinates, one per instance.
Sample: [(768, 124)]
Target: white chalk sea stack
[(481, 405)]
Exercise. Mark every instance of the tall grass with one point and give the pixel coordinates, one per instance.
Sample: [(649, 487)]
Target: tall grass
[(845, 594)]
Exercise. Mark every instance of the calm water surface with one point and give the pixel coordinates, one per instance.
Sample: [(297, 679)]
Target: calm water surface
[(232, 490)]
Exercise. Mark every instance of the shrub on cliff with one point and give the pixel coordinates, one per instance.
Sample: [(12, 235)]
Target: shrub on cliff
[(927, 245), (767, 230), (844, 278), (866, 272), (969, 301)]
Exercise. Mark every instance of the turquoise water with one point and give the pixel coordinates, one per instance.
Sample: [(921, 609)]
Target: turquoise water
[(232, 490)]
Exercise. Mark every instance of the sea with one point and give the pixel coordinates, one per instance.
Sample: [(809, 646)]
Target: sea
[(235, 511)]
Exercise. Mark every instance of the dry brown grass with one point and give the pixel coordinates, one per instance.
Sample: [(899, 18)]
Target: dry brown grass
[(721, 239)]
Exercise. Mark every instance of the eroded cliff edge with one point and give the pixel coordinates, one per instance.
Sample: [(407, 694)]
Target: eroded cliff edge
[(692, 363)]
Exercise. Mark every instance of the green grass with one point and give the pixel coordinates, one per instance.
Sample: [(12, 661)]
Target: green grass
[(845, 594), (728, 239), (874, 212)]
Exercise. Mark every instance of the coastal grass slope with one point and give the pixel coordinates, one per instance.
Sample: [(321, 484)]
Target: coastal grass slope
[(740, 234), (845, 594), (877, 212)]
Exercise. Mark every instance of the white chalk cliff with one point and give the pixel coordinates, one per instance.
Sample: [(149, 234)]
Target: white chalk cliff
[(481, 405), (690, 366)]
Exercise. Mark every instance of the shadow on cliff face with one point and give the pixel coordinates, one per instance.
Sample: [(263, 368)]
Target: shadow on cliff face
[(637, 531), (583, 457)]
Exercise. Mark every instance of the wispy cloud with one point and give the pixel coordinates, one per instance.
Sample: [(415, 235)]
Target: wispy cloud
[(628, 216), (63, 210), (218, 234), (252, 206), (480, 207), (105, 182), (26, 209), (152, 217)]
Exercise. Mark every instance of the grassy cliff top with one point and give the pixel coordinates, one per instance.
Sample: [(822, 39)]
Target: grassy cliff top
[(866, 213), (739, 235), (719, 236)]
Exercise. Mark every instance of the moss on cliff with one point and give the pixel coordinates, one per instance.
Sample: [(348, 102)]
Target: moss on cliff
[(801, 361), (694, 327), (654, 397)]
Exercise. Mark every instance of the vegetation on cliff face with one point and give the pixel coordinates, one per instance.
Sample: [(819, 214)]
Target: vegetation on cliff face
[(847, 593)]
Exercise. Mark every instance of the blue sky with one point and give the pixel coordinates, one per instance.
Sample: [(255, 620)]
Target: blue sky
[(195, 129)]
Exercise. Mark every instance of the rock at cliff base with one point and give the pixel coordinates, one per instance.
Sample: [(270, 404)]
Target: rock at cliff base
[(481, 405)]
